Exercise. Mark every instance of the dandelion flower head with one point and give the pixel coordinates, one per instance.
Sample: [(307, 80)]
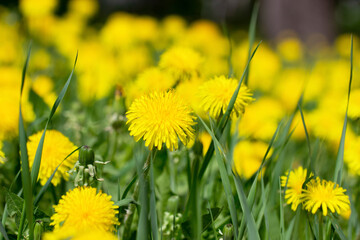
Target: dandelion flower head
[(325, 195), (161, 117), (73, 234), (294, 185), (56, 148), (181, 62), (216, 93), (83, 209)]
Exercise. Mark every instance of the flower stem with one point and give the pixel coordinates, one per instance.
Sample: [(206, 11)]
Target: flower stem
[(132, 207)]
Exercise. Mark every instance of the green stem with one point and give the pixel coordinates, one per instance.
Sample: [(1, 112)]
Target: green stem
[(321, 232), (132, 207), (22, 221)]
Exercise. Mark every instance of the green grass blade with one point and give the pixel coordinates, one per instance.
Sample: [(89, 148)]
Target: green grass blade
[(249, 218), (263, 199), (142, 229), (153, 214), (37, 160), (340, 155), (337, 227), (212, 221), (224, 177), (3, 232), (127, 189), (225, 118), (25, 174), (47, 184), (282, 223), (252, 33)]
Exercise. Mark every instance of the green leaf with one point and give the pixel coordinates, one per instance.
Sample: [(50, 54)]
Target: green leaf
[(3, 231), (15, 204), (224, 177), (340, 155), (37, 160), (207, 220), (125, 202), (25, 174), (252, 32), (153, 213), (336, 225)]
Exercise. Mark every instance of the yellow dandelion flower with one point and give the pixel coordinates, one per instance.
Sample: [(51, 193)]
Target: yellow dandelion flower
[(66, 233), (160, 117), (325, 194), (216, 93), (83, 209), (294, 189), (56, 148), (181, 62)]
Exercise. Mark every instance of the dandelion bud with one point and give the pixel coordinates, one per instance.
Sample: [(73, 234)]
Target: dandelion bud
[(86, 156), (228, 232), (38, 230)]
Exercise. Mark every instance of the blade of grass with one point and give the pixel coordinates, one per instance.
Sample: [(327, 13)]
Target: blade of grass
[(25, 174), (252, 32), (337, 227), (153, 214), (340, 155), (37, 160), (310, 164), (3, 232), (282, 223), (224, 177), (263, 198), (127, 189), (47, 184), (249, 218), (252, 193), (212, 221), (224, 119)]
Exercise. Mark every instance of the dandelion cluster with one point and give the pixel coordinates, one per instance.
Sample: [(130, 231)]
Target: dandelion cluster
[(317, 194), (165, 82)]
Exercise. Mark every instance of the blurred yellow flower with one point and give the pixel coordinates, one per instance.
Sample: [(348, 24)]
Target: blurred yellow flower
[(152, 79), (36, 8), (188, 91), (216, 93), (43, 86), (2, 154), (10, 80), (290, 49), (83, 209), (261, 118), (161, 117), (325, 195), (83, 8), (56, 148), (248, 156), (294, 182), (181, 62), (352, 154), (354, 104)]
